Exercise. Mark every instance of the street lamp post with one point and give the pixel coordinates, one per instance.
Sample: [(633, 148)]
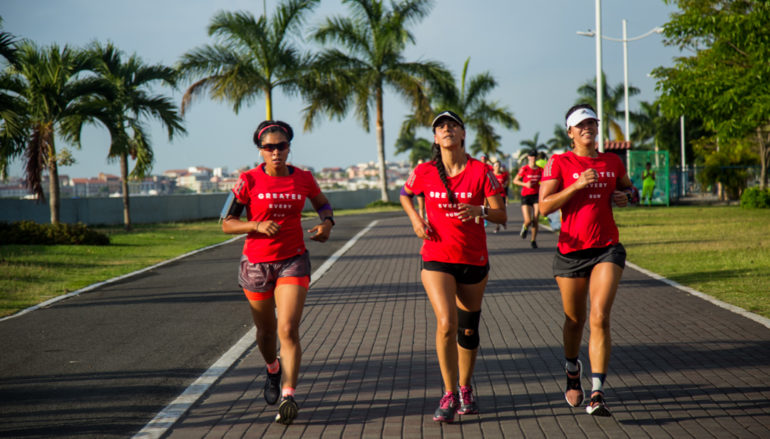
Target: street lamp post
[(625, 41)]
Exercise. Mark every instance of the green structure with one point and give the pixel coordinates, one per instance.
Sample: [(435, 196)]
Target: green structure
[(637, 162)]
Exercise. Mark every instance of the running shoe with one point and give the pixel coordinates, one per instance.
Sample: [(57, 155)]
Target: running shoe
[(447, 408), (597, 406), (574, 392), (468, 404), (272, 387), (523, 232), (533, 244), (287, 411)]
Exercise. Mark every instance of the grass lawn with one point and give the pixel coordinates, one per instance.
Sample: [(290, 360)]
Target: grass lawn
[(721, 251), (30, 274)]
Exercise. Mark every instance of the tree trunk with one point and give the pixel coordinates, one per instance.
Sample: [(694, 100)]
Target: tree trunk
[(124, 187), (764, 157), (381, 146), (53, 184), (268, 104)]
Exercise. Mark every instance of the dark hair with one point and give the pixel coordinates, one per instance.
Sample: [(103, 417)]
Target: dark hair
[(542, 155), (439, 164), (577, 107), (272, 126)]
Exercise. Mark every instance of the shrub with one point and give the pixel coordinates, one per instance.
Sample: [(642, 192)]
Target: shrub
[(32, 233), (755, 198)]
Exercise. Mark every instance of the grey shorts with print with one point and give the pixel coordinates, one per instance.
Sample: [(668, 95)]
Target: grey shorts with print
[(261, 276)]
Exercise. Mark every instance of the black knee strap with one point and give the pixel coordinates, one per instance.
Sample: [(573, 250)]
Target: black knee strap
[(468, 328)]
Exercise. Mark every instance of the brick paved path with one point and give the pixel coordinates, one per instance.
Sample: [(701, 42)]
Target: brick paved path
[(681, 367)]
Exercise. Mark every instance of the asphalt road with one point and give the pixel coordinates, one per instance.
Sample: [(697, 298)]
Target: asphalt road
[(103, 363)]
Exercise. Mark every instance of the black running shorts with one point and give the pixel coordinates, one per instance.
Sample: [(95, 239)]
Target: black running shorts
[(580, 263), (529, 200), (463, 273)]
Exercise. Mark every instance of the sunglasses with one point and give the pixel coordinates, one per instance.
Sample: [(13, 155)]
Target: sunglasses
[(280, 146)]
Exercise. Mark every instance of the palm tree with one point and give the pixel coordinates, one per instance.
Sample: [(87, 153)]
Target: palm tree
[(372, 41), (560, 139), (131, 100), (419, 148), (533, 144), (253, 58), (52, 98), (11, 107), (613, 98), (468, 100)]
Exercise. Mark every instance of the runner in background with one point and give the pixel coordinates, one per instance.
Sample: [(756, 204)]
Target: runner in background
[(275, 266), (589, 261), (529, 179), (455, 263), (504, 179)]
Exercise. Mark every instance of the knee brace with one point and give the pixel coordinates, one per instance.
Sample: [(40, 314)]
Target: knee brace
[(468, 328)]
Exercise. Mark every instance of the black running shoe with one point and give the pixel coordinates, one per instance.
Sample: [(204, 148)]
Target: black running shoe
[(533, 244), (287, 411), (574, 392), (273, 387), (597, 406), (447, 408), (468, 404)]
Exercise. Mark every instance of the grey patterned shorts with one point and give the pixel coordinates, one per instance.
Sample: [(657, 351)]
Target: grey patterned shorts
[(262, 276)]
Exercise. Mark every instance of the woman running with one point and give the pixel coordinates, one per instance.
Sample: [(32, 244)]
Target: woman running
[(529, 179), (503, 178), (275, 266), (589, 262), (455, 263)]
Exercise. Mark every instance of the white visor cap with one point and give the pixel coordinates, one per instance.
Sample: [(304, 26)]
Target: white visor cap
[(580, 115)]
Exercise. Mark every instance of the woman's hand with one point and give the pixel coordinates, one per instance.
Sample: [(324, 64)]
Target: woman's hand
[(269, 227), (587, 177), (322, 231), (423, 230), (620, 198), (468, 212)]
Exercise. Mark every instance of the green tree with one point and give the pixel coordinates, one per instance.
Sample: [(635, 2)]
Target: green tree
[(560, 140), (418, 148), (726, 163), (131, 100), (613, 98), (11, 107), (479, 114), (369, 55), (533, 144), (253, 58), (726, 81), (52, 96)]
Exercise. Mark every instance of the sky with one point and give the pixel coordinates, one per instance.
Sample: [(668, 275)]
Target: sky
[(531, 48)]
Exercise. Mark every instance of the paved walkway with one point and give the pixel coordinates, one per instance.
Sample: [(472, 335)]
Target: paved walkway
[(681, 366)]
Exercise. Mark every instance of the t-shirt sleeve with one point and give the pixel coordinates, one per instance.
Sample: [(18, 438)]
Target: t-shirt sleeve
[(552, 169), (413, 183), (241, 190), (313, 188), (491, 185)]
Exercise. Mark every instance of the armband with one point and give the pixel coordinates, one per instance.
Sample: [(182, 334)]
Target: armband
[(231, 208), (405, 193), (325, 212)]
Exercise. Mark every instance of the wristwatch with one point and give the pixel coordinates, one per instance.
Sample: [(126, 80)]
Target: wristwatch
[(330, 218), (484, 211)]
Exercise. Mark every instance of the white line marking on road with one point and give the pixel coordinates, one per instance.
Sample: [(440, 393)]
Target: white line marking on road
[(749, 315), (167, 417)]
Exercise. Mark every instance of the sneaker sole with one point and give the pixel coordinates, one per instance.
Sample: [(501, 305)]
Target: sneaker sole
[(287, 412), (599, 411), (468, 412), (448, 421), (583, 392)]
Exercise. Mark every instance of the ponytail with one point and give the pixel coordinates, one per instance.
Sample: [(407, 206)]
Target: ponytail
[(439, 164)]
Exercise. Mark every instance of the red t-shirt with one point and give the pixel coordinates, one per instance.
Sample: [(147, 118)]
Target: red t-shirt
[(534, 175), (502, 179), (458, 242), (280, 199), (587, 220)]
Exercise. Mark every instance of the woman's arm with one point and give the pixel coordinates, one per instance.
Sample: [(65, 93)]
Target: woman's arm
[(551, 199), (325, 214), (421, 228)]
